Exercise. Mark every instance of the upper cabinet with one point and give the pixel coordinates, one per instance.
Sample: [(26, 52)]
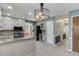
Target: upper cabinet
[(18, 22), (7, 23), (29, 30), (0, 20)]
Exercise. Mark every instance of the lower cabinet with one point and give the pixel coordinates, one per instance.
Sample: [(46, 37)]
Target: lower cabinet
[(5, 50), (23, 48), (20, 48)]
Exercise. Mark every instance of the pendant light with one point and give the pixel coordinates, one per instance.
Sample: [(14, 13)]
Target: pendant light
[(42, 13)]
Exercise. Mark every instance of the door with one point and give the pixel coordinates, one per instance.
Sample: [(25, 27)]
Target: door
[(76, 34), (38, 31)]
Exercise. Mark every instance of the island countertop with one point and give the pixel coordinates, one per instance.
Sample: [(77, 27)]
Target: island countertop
[(15, 40), (8, 37)]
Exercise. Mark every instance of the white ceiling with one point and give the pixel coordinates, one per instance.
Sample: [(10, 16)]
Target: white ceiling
[(22, 9), (57, 9)]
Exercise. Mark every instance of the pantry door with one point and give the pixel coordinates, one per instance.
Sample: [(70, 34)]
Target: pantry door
[(76, 34)]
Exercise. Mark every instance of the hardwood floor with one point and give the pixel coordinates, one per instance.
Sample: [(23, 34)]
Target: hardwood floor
[(45, 49)]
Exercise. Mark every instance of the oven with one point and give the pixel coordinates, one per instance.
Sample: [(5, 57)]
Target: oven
[(18, 32)]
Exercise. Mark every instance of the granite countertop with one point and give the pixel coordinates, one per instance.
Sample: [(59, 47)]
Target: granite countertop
[(7, 37)]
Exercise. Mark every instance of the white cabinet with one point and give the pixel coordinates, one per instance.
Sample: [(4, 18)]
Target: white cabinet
[(18, 22), (0, 20), (29, 30), (15, 21), (19, 48), (22, 23), (23, 47), (7, 23), (49, 30), (5, 50)]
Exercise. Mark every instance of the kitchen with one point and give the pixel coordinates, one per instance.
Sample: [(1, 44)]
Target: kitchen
[(19, 33), (25, 30), (16, 35)]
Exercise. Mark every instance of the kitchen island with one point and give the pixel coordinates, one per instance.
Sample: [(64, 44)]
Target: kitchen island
[(17, 46)]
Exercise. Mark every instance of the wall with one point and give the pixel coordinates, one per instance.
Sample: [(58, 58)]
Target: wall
[(59, 26), (69, 32)]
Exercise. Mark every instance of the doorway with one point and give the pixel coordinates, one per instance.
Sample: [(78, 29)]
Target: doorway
[(76, 34), (38, 32)]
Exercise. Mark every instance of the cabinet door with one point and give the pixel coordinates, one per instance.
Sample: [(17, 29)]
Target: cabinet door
[(7, 23), (5, 50), (15, 22), (0, 20), (22, 22), (18, 22), (23, 47)]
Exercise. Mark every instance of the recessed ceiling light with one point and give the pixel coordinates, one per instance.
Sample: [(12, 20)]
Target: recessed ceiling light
[(67, 19), (22, 17), (29, 13), (9, 7), (8, 14), (58, 21)]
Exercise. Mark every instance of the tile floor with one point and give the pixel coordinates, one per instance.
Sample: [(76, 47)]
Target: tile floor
[(45, 49)]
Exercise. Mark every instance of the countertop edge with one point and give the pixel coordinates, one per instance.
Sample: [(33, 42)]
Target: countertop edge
[(17, 40)]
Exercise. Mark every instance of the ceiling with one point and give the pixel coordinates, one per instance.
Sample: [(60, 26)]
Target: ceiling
[(26, 10)]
